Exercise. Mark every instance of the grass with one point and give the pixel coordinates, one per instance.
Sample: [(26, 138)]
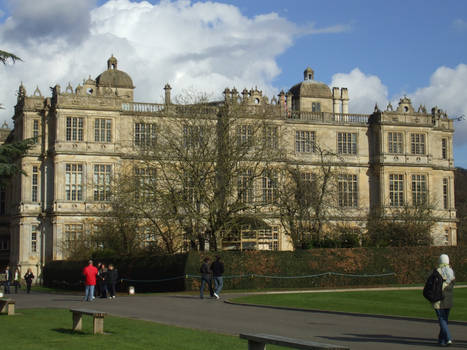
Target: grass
[(51, 329), (409, 303)]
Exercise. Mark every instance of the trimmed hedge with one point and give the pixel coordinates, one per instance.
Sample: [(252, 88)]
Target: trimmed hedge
[(411, 265)]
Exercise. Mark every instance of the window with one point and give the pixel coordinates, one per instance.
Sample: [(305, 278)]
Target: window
[(346, 143), (103, 130), (348, 191), (305, 141), (395, 143), (35, 184), (74, 129), (145, 134), (444, 148), (34, 231), (74, 182), (191, 192), (446, 193), (4, 243), (417, 143), (396, 190), (316, 107), (73, 232), (194, 136), (268, 239), (35, 129), (244, 134), (245, 186), (145, 182), (269, 188), (102, 173), (271, 137), (419, 189)]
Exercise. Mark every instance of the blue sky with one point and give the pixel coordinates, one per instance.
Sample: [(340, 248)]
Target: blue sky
[(380, 50)]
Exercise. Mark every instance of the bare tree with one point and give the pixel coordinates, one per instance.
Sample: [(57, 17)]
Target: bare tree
[(206, 159), (309, 198)]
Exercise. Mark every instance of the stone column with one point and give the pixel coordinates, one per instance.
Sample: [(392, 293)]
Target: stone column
[(345, 100), (336, 99)]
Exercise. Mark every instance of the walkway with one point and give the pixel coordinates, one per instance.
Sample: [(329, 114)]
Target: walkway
[(356, 331)]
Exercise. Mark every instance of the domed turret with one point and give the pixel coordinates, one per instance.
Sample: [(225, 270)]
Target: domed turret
[(113, 77), (310, 87)]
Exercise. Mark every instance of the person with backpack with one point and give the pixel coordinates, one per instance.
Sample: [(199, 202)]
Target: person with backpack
[(443, 306)]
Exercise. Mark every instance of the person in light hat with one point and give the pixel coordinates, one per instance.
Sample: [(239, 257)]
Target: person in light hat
[(443, 306)]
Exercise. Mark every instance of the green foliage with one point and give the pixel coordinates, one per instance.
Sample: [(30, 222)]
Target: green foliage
[(9, 154), (5, 56), (410, 264)]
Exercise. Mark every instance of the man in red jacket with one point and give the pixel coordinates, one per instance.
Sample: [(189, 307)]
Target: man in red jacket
[(90, 273)]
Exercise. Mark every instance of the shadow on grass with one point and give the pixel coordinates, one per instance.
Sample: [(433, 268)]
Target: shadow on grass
[(81, 333), (69, 331)]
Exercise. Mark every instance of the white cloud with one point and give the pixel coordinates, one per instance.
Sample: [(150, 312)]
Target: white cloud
[(459, 24), (202, 45), (364, 90), (447, 90)]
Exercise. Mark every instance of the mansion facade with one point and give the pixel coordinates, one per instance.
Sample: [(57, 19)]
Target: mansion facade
[(393, 157)]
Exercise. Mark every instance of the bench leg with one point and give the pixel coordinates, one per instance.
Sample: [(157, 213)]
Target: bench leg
[(98, 325), (11, 309), (77, 321), (252, 345), (3, 307)]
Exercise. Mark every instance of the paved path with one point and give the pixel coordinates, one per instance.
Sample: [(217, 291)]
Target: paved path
[(358, 332)]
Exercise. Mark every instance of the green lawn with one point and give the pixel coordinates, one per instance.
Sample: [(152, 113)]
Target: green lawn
[(51, 329), (397, 303)]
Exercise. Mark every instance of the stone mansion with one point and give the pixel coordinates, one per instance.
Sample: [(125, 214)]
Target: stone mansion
[(392, 157)]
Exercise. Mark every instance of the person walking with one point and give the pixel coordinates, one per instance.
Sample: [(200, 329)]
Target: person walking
[(7, 280), (17, 280), (102, 281), (205, 278), (90, 274), (28, 277), (112, 277), (217, 268), (443, 306)]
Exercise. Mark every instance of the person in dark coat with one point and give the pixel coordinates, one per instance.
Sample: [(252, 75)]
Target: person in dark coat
[(102, 281), (112, 278), (28, 277), (205, 278), (217, 268)]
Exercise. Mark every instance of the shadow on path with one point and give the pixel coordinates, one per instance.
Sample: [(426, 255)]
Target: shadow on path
[(386, 338)]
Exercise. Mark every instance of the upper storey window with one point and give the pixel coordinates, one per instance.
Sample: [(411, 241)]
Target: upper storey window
[(74, 129), (305, 141), (417, 144), (35, 129), (395, 145), (444, 148), (316, 107), (103, 130), (145, 134), (271, 137), (244, 134), (346, 143)]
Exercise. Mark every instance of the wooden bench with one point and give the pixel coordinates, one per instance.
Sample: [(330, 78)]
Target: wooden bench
[(259, 341), (98, 317), (7, 306)]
